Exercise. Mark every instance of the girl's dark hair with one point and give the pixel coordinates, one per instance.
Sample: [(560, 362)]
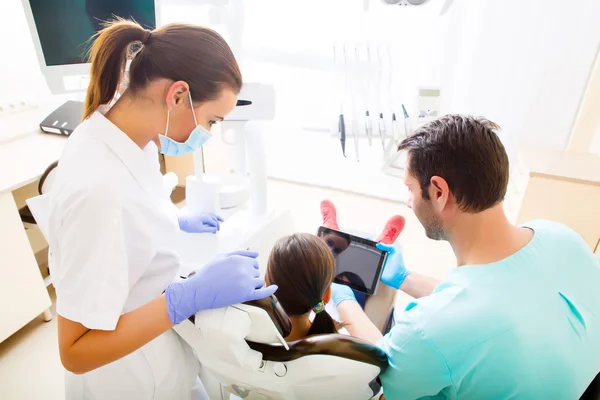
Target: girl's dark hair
[(190, 53), (302, 266)]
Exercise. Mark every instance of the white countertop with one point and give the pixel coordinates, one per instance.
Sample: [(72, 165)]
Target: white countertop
[(25, 151)]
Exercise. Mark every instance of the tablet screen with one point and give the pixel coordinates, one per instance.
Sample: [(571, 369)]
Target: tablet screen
[(358, 262)]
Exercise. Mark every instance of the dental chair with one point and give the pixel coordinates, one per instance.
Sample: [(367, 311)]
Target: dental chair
[(44, 185), (243, 355)]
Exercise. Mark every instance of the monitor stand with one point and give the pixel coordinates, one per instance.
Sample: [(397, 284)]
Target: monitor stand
[(67, 84)]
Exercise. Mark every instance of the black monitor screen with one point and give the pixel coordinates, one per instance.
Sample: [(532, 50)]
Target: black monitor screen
[(65, 26)]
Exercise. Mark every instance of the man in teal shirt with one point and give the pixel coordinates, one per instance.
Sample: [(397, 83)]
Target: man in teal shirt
[(520, 316)]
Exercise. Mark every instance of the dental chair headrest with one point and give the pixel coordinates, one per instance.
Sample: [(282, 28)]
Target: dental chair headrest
[(329, 345), (272, 307)]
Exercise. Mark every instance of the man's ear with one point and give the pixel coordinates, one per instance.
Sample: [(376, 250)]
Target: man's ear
[(439, 192), (327, 295)]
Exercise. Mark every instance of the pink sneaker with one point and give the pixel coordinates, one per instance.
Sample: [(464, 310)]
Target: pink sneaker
[(392, 230), (329, 214)]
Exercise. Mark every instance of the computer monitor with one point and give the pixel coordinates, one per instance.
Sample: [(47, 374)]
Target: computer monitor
[(61, 30)]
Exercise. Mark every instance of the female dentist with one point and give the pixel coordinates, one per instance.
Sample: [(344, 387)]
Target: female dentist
[(113, 229)]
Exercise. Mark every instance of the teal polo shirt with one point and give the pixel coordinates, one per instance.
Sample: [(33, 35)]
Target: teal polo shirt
[(526, 327)]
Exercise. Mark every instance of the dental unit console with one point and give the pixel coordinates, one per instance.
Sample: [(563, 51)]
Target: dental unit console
[(241, 131), (243, 354)]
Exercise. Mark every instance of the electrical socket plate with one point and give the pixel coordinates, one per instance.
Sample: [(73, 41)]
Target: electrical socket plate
[(15, 105)]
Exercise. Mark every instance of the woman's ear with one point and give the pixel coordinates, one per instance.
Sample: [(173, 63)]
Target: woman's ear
[(327, 295), (177, 93)]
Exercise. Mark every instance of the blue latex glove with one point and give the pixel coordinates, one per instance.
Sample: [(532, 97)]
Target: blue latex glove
[(394, 271), (200, 223), (229, 279), (341, 293)]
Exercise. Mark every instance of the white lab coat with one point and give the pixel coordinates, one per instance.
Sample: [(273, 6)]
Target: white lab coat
[(113, 233)]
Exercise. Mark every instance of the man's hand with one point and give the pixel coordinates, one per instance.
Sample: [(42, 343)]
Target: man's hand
[(394, 270), (397, 276)]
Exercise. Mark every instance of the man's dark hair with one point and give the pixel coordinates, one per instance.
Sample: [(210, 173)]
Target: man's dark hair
[(467, 153)]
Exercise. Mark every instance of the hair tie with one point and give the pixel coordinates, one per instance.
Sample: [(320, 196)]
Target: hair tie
[(147, 33), (319, 307)]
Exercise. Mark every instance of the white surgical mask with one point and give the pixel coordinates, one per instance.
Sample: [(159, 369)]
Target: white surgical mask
[(197, 138)]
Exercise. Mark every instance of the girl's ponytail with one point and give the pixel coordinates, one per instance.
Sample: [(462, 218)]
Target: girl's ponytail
[(323, 324)]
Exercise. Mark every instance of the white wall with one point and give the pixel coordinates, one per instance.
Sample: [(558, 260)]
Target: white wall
[(522, 63)]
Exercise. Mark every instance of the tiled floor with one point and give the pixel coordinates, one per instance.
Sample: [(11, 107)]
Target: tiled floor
[(29, 363)]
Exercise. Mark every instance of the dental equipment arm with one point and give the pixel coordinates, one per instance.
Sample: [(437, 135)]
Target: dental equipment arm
[(229, 279)]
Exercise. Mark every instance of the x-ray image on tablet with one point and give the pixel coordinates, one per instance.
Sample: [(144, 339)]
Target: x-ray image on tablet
[(358, 263)]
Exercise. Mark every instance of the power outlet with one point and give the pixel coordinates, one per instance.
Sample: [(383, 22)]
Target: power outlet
[(15, 105)]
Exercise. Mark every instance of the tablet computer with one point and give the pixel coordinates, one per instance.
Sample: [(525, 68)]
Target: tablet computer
[(358, 263)]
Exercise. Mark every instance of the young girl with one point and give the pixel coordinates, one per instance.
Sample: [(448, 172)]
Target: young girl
[(303, 268)]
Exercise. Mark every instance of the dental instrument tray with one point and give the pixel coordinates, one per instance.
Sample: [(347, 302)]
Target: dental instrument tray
[(358, 262)]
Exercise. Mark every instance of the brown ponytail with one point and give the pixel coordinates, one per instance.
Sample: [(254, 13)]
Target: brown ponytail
[(303, 268), (194, 54), (322, 324)]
